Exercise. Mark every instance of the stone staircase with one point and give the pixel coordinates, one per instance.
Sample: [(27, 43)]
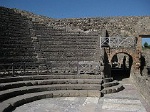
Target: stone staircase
[(16, 91), (31, 41), (15, 41), (111, 86), (61, 45)]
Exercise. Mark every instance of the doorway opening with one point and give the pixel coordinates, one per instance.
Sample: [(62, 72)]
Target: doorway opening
[(145, 55), (121, 64)]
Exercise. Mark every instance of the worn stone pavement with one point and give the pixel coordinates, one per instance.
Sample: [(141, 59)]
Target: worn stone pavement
[(128, 100)]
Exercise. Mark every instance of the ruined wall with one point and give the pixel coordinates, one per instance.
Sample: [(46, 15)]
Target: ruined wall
[(142, 81), (116, 26), (34, 17), (145, 60), (143, 85)]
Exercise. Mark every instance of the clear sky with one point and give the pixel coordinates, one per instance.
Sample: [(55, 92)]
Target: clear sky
[(146, 40), (81, 8)]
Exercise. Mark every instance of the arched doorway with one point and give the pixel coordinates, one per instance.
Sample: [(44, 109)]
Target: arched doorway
[(121, 64)]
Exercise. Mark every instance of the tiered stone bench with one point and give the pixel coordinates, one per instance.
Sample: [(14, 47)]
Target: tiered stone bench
[(62, 45), (69, 62), (15, 42), (16, 91)]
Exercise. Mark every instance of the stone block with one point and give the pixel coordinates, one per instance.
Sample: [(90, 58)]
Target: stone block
[(74, 93), (92, 93), (83, 93)]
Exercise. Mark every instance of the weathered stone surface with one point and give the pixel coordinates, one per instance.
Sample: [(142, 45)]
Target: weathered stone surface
[(128, 100), (62, 46)]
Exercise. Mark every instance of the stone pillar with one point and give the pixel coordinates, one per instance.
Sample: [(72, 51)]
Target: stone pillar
[(137, 57)]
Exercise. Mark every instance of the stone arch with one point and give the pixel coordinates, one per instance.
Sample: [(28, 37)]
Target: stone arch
[(126, 54), (125, 51), (124, 68), (133, 53)]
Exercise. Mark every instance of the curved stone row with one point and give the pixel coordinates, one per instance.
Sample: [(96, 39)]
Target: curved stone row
[(16, 91), (12, 103), (25, 39)]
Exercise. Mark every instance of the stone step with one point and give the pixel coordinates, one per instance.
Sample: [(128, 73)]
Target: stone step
[(14, 37), (15, 48), (10, 85), (67, 46), (65, 55), (12, 16), (74, 50), (17, 57), (113, 89), (6, 94), (60, 32), (12, 103), (42, 77), (72, 40), (66, 43), (67, 37), (110, 84), (13, 60), (22, 30), (107, 80), (14, 27), (65, 58), (11, 34), (10, 54), (14, 23), (87, 58), (16, 45), (42, 29), (14, 42), (8, 43), (68, 50)]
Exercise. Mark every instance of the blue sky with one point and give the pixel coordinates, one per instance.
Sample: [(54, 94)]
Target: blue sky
[(145, 40), (82, 8)]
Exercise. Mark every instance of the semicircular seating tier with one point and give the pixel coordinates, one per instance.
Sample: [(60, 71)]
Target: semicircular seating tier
[(38, 60)]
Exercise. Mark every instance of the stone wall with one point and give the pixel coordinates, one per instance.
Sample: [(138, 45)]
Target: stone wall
[(34, 17), (143, 85), (116, 26), (145, 60), (142, 81)]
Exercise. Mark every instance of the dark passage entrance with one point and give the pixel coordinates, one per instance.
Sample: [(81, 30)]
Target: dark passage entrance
[(121, 64)]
